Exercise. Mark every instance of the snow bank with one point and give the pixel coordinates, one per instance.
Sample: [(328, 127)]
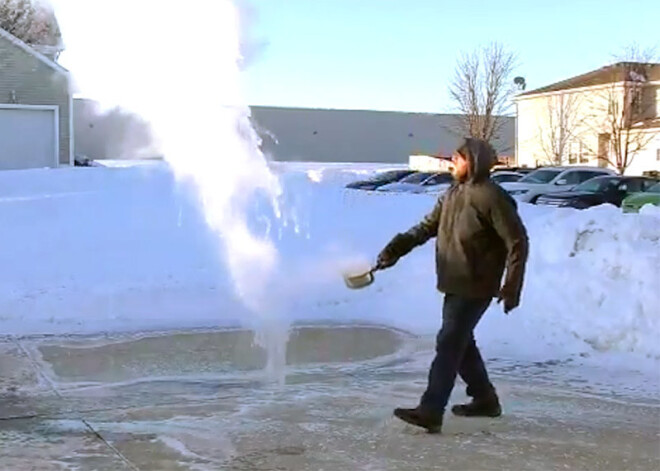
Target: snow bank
[(120, 249), (593, 280)]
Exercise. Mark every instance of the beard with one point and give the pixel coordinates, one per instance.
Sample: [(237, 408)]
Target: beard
[(459, 175)]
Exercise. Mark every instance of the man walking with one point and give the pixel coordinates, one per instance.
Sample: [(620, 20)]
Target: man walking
[(479, 233)]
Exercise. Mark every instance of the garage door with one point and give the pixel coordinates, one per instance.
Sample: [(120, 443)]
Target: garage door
[(28, 137)]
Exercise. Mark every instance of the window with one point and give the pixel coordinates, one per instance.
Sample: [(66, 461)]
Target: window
[(540, 176), (505, 178), (416, 178), (633, 185), (578, 152), (584, 153), (603, 149), (587, 175), (573, 153), (572, 178), (648, 184), (438, 179), (654, 189), (636, 103), (390, 176), (596, 185)]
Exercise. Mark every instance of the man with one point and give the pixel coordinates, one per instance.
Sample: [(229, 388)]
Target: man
[(479, 234)]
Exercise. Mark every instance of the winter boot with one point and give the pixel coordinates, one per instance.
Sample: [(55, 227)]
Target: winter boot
[(421, 417), (487, 406)]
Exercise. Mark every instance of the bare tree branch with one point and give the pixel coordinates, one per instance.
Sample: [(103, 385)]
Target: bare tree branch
[(482, 90), (633, 52), (629, 107), (562, 126), (31, 21)]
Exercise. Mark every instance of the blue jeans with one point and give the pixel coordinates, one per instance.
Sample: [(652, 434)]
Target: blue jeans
[(457, 353)]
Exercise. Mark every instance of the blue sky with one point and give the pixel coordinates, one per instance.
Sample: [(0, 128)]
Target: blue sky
[(400, 54)]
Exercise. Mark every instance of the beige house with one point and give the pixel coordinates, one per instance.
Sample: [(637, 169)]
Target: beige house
[(430, 163), (609, 117), (35, 108)]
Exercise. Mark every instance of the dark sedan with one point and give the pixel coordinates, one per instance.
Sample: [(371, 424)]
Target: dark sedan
[(598, 190), (380, 179)]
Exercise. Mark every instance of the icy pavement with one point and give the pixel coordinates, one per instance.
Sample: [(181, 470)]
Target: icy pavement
[(199, 400)]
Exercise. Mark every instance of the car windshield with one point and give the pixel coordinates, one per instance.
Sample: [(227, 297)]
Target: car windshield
[(540, 176), (438, 179), (597, 185), (654, 189), (390, 175), (416, 177), (505, 177)]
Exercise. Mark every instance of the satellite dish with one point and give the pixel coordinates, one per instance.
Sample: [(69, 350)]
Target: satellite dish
[(520, 81)]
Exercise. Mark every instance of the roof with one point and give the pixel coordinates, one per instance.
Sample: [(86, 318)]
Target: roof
[(22, 45), (647, 124), (327, 135), (562, 168), (605, 75)]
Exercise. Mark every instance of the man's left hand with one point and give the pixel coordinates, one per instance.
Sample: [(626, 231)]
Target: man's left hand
[(510, 303)]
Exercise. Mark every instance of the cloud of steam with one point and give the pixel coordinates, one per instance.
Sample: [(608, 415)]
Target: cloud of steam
[(251, 46), (111, 134), (177, 66)]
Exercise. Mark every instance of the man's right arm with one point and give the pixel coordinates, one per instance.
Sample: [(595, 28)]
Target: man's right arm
[(508, 224), (404, 242)]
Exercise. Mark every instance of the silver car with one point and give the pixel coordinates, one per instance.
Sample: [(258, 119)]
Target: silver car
[(505, 176), (551, 180), (408, 184), (437, 184)]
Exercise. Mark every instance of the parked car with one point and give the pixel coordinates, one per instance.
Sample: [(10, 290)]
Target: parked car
[(505, 176), (80, 160), (436, 184), (551, 180), (598, 190), (634, 202), (409, 183), (380, 179), (523, 170)]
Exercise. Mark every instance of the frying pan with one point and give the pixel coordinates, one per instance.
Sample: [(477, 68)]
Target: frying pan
[(360, 279)]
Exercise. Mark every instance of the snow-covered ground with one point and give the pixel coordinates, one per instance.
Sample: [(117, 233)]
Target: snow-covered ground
[(88, 250)]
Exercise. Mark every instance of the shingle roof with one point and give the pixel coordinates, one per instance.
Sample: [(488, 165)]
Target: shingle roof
[(605, 75)]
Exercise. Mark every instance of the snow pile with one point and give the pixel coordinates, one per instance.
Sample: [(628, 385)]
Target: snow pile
[(594, 278), (120, 249), (591, 283)]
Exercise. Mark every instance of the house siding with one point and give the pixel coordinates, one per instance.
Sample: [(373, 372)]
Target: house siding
[(590, 120), (26, 80), (535, 115), (647, 160)]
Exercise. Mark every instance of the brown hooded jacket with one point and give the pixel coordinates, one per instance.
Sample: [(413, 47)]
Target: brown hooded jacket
[(479, 234)]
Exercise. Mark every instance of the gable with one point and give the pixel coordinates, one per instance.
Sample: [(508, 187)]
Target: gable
[(615, 73), (26, 49)]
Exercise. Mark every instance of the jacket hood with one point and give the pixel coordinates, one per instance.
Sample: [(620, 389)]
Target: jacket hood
[(480, 156)]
